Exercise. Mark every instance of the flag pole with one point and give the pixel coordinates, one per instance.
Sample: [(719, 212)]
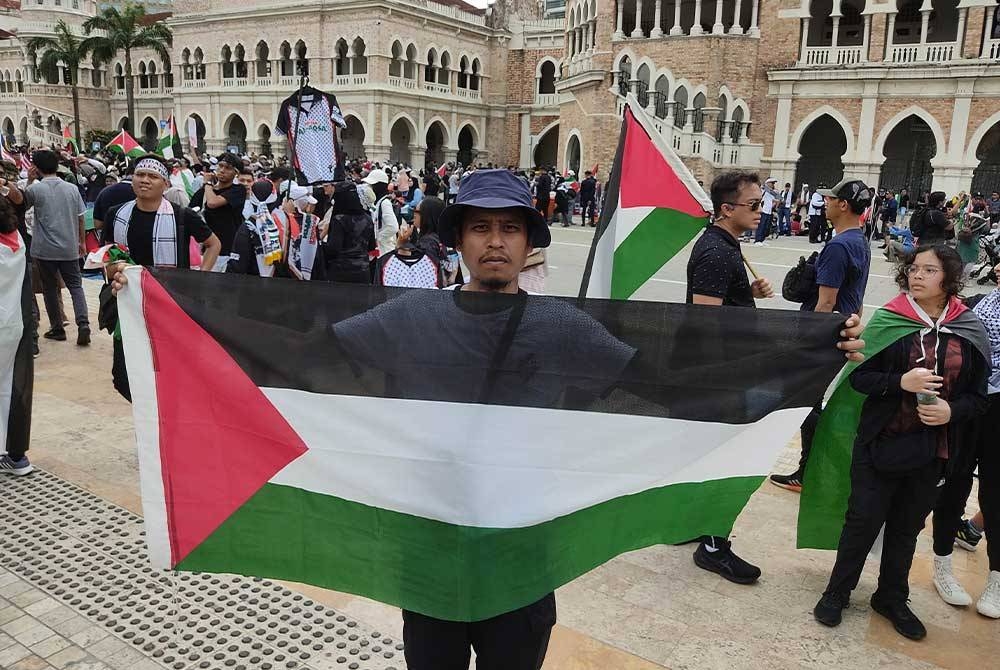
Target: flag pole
[(750, 268)]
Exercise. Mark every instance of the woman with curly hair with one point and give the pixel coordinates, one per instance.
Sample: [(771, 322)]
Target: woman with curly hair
[(920, 391)]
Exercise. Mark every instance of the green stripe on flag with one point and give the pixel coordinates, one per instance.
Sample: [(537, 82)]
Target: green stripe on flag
[(433, 567), (656, 240), (827, 480)]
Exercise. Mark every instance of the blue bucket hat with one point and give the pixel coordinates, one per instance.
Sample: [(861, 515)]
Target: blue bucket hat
[(493, 189)]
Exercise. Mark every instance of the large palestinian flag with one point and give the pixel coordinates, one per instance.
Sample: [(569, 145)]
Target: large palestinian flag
[(16, 363), (653, 207), (828, 471), (454, 453)]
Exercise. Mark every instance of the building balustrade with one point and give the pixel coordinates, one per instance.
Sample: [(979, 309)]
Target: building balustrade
[(546, 99)]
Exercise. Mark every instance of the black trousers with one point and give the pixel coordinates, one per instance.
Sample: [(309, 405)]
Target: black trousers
[(981, 435), (542, 205), (817, 224), (807, 432), (19, 417), (49, 272), (901, 502), (588, 208), (516, 640)]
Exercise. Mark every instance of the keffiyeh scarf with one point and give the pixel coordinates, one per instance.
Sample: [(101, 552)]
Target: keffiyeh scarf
[(164, 232)]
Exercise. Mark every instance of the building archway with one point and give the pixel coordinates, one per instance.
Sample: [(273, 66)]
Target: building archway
[(352, 137), (236, 134), (400, 136), (573, 153), (547, 148), (23, 135), (8, 131), (199, 129), (908, 151), (150, 134), (466, 146), (986, 177), (264, 139), (436, 139), (821, 153)]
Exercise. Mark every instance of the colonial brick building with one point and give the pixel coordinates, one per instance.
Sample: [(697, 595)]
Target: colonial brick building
[(904, 93)]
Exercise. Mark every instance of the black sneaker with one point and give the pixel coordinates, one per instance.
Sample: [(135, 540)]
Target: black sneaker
[(725, 563), (35, 352), (967, 536), (83, 336), (830, 608), (792, 482), (54, 334), (903, 619)]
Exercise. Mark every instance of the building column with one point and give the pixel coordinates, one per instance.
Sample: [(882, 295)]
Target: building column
[(619, 35), (888, 37), (736, 28), (656, 31), (963, 13), (676, 28), (717, 27), (696, 26), (836, 32), (866, 40), (990, 18), (754, 29), (637, 31), (925, 17), (805, 40)]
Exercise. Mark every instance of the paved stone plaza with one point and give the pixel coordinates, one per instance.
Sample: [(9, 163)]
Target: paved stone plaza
[(77, 593)]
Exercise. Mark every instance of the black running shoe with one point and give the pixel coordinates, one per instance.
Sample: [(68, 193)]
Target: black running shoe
[(967, 536), (830, 608), (725, 563), (55, 334), (792, 482), (903, 619), (83, 336)]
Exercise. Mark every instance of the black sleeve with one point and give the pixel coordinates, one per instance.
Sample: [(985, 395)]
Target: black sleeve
[(974, 400), (195, 226), (875, 377), (108, 231), (198, 198)]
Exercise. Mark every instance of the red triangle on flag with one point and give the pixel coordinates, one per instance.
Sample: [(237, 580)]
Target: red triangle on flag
[(647, 179), (220, 438)]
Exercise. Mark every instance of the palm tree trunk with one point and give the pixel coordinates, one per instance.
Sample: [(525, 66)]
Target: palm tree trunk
[(76, 112), (129, 91)]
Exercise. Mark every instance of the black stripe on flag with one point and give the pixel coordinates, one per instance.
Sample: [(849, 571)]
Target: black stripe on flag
[(731, 365), (608, 209)]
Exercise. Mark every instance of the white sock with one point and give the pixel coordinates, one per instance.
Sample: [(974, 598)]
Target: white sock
[(710, 546)]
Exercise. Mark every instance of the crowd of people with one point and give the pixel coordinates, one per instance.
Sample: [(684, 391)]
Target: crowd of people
[(933, 396)]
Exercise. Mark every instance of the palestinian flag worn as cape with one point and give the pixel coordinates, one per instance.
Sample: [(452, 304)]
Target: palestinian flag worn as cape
[(168, 139), (653, 207), (126, 144), (828, 472), (16, 362), (293, 430)]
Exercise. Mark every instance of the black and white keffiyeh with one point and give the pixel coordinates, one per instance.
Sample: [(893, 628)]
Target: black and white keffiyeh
[(164, 232)]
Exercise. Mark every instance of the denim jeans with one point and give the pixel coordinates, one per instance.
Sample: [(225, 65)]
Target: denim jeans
[(784, 221), (763, 228)]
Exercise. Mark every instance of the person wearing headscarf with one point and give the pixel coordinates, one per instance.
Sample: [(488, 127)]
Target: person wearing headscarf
[(350, 237)]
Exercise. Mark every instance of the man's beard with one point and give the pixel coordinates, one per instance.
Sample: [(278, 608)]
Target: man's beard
[(495, 284)]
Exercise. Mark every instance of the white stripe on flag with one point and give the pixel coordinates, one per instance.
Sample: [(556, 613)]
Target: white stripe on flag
[(623, 222), (11, 327), (495, 466), (146, 417)]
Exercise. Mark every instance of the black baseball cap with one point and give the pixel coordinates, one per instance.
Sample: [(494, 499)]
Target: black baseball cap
[(853, 191)]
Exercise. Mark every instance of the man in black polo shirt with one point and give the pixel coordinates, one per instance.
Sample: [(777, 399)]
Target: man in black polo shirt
[(716, 276), (221, 201)]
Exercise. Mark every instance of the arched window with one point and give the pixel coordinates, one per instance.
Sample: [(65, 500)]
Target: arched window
[(301, 62), (287, 66), (19, 82), (263, 67), (908, 20), (641, 85), (241, 66), (359, 60), (699, 115), (736, 130), (444, 73), (943, 23), (187, 73), (410, 67), (624, 75), (430, 70), (463, 73), (547, 78), (396, 64), (119, 77), (199, 64), (680, 106), (227, 62), (475, 79), (143, 77), (154, 80), (341, 61), (820, 23)]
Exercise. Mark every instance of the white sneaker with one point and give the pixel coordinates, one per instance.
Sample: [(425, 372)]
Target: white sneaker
[(758, 244), (989, 602), (947, 586)]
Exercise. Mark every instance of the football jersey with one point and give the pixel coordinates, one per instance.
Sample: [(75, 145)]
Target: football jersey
[(312, 135), (421, 272)]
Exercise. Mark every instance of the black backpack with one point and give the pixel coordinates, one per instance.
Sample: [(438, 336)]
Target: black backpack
[(800, 282), (917, 223)]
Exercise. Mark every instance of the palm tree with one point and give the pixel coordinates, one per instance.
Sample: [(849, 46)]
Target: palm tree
[(64, 49), (126, 29)]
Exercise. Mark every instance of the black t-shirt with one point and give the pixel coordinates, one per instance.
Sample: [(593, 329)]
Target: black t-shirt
[(140, 234), (226, 220), (933, 226), (716, 269)]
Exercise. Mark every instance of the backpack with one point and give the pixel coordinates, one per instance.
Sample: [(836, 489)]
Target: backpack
[(800, 282), (917, 223)]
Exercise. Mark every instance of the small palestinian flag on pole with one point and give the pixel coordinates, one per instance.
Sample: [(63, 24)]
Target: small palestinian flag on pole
[(126, 144), (828, 471), (624, 424), (653, 208), (70, 142), (168, 139)]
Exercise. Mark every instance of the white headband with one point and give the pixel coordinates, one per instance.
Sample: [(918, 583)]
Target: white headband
[(152, 165)]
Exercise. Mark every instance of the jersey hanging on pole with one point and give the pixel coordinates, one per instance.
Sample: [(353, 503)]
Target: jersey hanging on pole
[(311, 129)]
